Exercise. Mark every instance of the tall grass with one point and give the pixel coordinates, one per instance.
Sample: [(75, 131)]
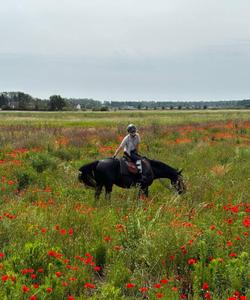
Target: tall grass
[(56, 242)]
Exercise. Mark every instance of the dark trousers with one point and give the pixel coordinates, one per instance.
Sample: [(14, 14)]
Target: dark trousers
[(134, 156)]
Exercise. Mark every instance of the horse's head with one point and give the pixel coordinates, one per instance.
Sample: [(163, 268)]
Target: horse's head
[(178, 183)]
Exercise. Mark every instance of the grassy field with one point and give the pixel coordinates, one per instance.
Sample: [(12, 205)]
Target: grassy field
[(56, 242)]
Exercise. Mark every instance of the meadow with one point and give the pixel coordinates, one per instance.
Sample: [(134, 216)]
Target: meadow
[(57, 242)]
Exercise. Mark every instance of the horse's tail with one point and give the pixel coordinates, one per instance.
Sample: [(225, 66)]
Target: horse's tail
[(86, 174)]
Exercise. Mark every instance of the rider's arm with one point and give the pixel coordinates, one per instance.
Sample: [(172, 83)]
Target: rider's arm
[(117, 151), (120, 147)]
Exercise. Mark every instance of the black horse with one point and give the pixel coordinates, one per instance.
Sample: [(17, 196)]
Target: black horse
[(106, 172)]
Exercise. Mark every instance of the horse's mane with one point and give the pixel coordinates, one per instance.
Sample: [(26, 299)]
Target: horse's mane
[(162, 166)]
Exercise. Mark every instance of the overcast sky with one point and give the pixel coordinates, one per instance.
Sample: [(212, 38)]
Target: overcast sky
[(126, 49)]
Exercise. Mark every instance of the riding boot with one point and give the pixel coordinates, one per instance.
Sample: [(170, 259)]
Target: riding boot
[(141, 178)]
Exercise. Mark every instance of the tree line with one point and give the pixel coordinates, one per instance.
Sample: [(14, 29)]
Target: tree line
[(23, 101)]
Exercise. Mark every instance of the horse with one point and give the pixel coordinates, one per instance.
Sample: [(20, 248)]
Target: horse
[(107, 172)]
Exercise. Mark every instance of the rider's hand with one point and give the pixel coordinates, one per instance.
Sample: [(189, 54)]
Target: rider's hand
[(114, 156)]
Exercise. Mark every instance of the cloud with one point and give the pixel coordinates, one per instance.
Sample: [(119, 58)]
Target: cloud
[(126, 49)]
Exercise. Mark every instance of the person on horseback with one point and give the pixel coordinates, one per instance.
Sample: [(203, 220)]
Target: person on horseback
[(130, 146)]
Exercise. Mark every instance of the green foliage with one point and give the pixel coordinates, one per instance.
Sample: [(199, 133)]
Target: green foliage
[(42, 162), (197, 242)]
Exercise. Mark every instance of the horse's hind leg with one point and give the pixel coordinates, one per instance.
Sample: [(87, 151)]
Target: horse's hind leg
[(108, 190), (98, 191)]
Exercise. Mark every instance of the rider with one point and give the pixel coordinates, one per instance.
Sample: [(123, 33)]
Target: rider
[(130, 144)]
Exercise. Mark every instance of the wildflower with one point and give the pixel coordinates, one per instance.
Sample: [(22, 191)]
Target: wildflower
[(33, 297), (183, 296), (143, 289), (97, 268), (212, 227), (1, 255), (171, 257), (229, 243), (71, 231), (157, 286), (205, 286), (71, 298), (130, 285), (192, 261), (233, 254), (25, 289), (63, 231), (40, 270), (36, 285), (89, 285), (207, 296), (64, 283), (159, 295), (5, 278), (43, 230), (49, 290), (246, 222), (107, 239), (58, 274), (72, 279), (164, 281), (33, 276)]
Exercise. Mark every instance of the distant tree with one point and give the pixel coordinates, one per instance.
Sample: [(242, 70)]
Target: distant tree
[(3, 100), (139, 106), (24, 101), (56, 102), (179, 107), (204, 106)]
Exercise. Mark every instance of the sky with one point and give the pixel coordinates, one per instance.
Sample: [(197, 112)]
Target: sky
[(162, 50)]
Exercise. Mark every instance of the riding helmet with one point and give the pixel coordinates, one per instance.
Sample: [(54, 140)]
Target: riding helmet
[(131, 128)]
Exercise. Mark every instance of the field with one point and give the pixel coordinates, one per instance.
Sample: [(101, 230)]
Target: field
[(57, 242)]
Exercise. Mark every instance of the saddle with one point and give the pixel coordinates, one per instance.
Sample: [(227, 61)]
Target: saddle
[(128, 167)]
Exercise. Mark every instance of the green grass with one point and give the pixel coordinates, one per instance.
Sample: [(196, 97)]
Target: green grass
[(53, 234)]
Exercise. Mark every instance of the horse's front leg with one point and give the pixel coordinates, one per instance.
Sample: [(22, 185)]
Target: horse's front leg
[(143, 191), (108, 190), (98, 191)]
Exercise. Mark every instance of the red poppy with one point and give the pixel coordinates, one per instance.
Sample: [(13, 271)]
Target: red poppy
[(192, 261), (143, 289), (130, 285), (233, 255), (89, 285), (25, 289), (49, 290), (207, 296), (164, 281), (159, 295), (5, 278), (205, 286)]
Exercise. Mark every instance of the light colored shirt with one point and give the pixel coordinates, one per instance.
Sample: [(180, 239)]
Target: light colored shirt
[(129, 143)]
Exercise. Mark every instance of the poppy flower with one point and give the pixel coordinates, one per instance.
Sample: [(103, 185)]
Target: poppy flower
[(143, 289), (130, 285), (25, 289)]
